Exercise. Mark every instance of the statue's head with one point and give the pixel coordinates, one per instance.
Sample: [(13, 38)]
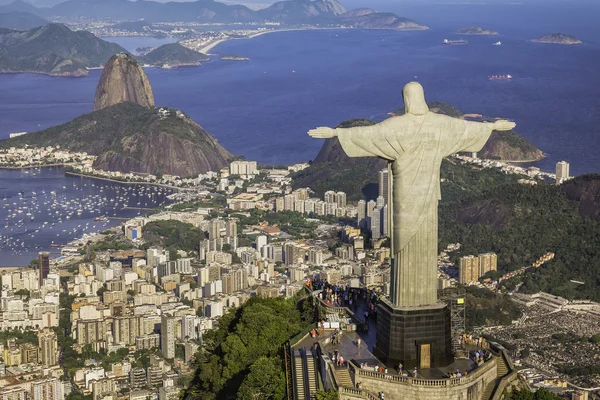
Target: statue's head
[(414, 99)]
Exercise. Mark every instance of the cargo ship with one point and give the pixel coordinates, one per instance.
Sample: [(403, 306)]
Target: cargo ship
[(500, 78), (454, 42)]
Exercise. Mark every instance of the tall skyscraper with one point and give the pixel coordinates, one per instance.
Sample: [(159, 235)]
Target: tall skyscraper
[(361, 210), (44, 265), (47, 389), (340, 199), (562, 172), (380, 202), (188, 327), (487, 262), (330, 196), (468, 270), (167, 336), (383, 184), (48, 343), (370, 207), (384, 221), (376, 223)]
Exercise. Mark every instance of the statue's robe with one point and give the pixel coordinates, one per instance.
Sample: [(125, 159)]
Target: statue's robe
[(414, 146)]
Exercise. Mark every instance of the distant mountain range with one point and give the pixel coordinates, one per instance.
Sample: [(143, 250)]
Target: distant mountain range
[(53, 49), (19, 15), (288, 12)]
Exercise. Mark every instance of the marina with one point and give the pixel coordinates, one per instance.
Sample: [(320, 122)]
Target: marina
[(43, 209)]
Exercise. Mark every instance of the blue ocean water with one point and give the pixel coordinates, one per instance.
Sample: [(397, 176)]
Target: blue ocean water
[(298, 80)]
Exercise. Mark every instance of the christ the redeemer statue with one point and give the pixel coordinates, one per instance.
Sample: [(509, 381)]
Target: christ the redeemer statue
[(414, 144)]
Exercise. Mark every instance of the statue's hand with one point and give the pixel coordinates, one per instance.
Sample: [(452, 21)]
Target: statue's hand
[(504, 125), (322, 133)]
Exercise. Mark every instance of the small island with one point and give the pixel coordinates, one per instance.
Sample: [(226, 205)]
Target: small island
[(476, 30), (233, 57), (557, 38), (173, 55)]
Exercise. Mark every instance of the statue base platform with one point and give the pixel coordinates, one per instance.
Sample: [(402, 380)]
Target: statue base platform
[(414, 336)]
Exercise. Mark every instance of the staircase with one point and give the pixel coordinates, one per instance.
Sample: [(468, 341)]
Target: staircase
[(501, 371), (312, 375), (342, 376), (489, 390), (502, 368), (299, 374)]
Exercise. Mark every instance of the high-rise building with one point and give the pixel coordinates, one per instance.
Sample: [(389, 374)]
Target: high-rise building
[(167, 336), (487, 262), (137, 377), (330, 196), (47, 389), (215, 227), (376, 223), (385, 227), (188, 327), (261, 241), (340, 199), (370, 206), (469, 269), (92, 331), (289, 201), (384, 185), (289, 256), (562, 171), (231, 227), (380, 202), (361, 211), (30, 353), (48, 344), (126, 329), (44, 266)]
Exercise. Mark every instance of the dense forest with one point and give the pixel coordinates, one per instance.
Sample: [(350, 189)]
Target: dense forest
[(243, 358), (521, 223)]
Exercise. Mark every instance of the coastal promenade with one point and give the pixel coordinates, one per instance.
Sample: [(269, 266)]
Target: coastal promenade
[(128, 182)]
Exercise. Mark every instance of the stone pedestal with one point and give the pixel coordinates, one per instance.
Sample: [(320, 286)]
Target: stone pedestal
[(403, 333)]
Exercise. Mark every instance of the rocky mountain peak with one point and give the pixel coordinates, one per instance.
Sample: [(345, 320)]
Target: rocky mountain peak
[(123, 79)]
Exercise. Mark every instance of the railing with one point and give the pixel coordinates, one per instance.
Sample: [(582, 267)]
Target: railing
[(289, 374), (302, 334), (407, 380), (360, 324), (358, 393)]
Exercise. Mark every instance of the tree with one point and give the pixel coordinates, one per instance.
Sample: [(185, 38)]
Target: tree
[(521, 394), (331, 395), (265, 381), (544, 394)]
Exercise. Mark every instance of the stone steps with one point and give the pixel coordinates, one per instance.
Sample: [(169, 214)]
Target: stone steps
[(312, 376), (298, 373), (342, 377)]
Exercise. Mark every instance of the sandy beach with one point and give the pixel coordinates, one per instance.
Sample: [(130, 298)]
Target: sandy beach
[(212, 45)]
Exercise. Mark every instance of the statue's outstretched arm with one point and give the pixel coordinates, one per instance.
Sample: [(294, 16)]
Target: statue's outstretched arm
[(471, 136), (377, 140)]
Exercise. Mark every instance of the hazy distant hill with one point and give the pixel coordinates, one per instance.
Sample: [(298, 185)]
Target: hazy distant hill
[(20, 21), (210, 11), (53, 49)]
